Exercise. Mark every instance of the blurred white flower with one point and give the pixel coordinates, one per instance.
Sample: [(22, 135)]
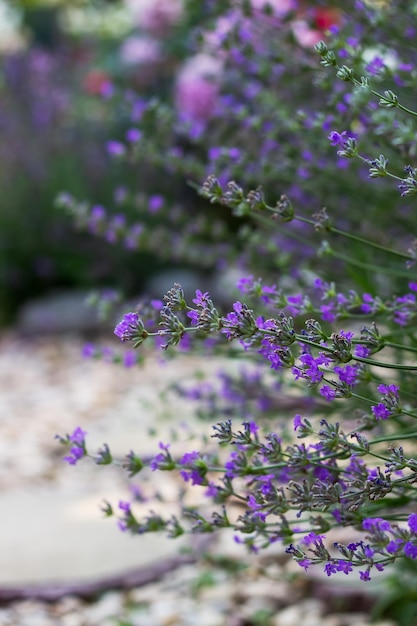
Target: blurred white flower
[(155, 16), (137, 50), (10, 22), (389, 57)]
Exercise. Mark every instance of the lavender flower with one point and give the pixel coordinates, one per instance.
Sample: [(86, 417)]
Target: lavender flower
[(76, 441), (131, 328), (115, 148)]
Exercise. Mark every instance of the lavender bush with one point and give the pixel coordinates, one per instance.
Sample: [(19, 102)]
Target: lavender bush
[(207, 121), (338, 328), (237, 112)]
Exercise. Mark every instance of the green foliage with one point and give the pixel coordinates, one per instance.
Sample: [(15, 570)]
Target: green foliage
[(398, 597)]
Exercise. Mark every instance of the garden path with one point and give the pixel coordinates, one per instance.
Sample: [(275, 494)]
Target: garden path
[(51, 521), (52, 528)]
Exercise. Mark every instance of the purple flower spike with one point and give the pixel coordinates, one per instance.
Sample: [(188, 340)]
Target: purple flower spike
[(337, 139), (126, 326), (124, 506), (412, 522), (78, 436), (388, 389), (344, 566), (78, 450), (330, 568), (131, 328), (298, 421), (133, 135), (327, 392), (380, 411), (410, 550), (372, 523), (155, 204), (115, 148), (76, 453)]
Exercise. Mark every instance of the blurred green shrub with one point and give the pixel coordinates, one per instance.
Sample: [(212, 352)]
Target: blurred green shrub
[(55, 121), (53, 137)]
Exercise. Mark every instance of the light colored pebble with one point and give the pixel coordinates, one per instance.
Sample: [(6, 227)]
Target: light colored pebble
[(338, 620), (146, 594), (254, 606), (344, 619), (5, 617), (204, 616), (171, 609), (38, 617), (109, 605), (68, 604), (219, 595), (307, 612), (311, 606), (278, 591), (140, 620), (290, 616), (72, 619)]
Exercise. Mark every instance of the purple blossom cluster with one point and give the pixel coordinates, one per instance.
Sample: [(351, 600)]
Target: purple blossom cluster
[(76, 444), (299, 478), (221, 123), (276, 482), (383, 541), (340, 452)]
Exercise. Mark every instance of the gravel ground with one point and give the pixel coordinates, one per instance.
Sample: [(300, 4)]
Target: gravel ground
[(46, 387)]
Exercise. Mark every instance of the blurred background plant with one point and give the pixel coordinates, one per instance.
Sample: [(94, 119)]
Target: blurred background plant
[(129, 103), (248, 102), (60, 62), (51, 133), (76, 74)]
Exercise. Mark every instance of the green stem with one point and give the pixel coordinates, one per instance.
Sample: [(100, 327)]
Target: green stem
[(348, 235), (389, 174), (412, 435), (361, 398), (357, 83), (399, 346), (393, 366), (398, 105), (369, 267), (264, 220)]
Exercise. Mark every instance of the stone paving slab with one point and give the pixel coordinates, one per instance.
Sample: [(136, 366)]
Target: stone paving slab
[(47, 536), (51, 524)]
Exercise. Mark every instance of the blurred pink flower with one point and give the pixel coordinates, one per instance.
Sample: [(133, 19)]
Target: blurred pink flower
[(305, 35), (197, 87), (137, 50), (156, 17)]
